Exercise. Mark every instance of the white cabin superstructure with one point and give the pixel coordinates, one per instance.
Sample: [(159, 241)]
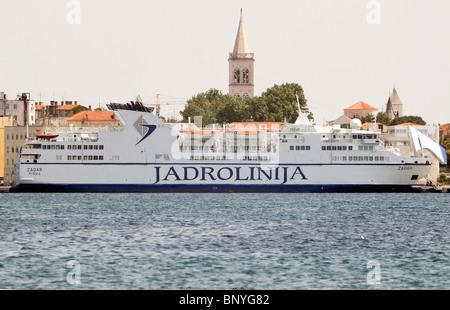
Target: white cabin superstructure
[(147, 155)]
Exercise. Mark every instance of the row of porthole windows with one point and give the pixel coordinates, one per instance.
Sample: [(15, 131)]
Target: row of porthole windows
[(337, 148), (85, 157), (361, 158), (300, 148)]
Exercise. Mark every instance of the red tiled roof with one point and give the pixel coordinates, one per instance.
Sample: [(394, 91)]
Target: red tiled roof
[(409, 124), (361, 106), (67, 107), (94, 116), (256, 125)]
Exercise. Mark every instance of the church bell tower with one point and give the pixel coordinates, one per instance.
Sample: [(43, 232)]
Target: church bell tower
[(241, 61)]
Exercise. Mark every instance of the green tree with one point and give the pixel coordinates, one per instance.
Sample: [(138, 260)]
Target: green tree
[(383, 118), (281, 102), (276, 104), (408, 119), (257, 109), (79, 108), (233, 110), (205, 105)]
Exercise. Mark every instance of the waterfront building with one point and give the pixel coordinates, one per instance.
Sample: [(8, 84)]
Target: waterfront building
[(94, 119), (12, 139), (22, 109)]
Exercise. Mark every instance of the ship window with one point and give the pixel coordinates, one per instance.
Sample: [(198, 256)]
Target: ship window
[(339, 148), (85, 147), (292, 147), (91, 147), (324, 148), (79, 147), (350, 148), (328, 148), (381, 158), (334, 148), (79, 157), (344, 158), (101, 157), (344, 148), (370, 158), (350, 158), (360, 158), (91, 157), (366, 158), (308, 148), (297, 148), (95, 147), (101, 147), (62, 147), (355, 136), (415, 177)]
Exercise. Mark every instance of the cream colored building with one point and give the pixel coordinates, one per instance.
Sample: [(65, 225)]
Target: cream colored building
[(22, 109), (12, 139), (241, 66)]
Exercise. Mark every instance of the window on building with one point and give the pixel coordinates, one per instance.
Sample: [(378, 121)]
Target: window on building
[(245, 78), (237, 76)]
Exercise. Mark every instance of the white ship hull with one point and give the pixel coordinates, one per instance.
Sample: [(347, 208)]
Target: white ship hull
[(147, 156), (220, 178)]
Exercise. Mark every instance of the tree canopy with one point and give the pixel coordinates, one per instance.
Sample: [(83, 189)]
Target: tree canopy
[(385, 120), (276, 104)]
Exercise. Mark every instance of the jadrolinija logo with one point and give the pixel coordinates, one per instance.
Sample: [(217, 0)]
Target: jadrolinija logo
[(144, 128)]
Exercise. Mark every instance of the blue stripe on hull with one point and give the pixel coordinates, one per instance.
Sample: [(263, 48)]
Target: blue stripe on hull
[(198, 188)]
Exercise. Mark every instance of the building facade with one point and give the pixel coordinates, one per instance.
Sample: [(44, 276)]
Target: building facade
[(12, 139), (241, 66), (22, 109), (360, 109)]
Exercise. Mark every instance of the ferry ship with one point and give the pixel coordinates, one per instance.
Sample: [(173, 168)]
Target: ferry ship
[(148, 155)]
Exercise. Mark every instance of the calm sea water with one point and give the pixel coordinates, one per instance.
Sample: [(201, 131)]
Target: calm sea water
[(224, 241)]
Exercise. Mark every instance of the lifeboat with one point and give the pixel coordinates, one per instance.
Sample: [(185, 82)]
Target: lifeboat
[(47, 136)]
